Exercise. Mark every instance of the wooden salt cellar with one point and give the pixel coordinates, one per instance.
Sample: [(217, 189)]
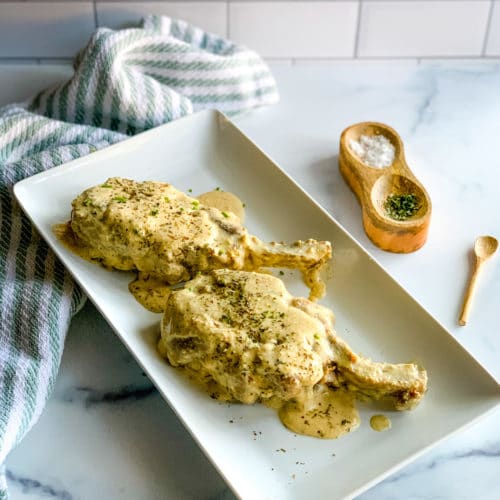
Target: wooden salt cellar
[(373, 185)]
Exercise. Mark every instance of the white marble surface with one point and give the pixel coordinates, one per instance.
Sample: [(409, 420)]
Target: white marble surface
[(107, 434)]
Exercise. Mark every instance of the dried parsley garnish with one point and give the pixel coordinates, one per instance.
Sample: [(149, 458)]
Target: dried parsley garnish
[(227, 319), (402, 206)]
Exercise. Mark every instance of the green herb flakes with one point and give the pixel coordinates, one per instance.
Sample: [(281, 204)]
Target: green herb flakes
[(226, 319), (87, 202), (402, 206), (108, 186), (225, 214), (153, 212), (120, 199)]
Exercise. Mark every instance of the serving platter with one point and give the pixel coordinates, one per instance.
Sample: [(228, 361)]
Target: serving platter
[(256, 455)]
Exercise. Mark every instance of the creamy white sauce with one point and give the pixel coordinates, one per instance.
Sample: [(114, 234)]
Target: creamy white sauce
[(65, 235), (380, 423), (152, 293), (322, 413), (223, 201)]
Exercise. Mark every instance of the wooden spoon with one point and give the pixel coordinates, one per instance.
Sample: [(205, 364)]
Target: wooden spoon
[(484, 248), (373, 186)]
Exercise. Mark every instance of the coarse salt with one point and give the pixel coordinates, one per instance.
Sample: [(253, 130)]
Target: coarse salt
[(374, 150)]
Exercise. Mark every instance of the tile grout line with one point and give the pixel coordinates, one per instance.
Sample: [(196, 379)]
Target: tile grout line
[(386, 58), (96, 20), (358, 25), (491, 7), (292, 60), (487, 28), (262, 1)]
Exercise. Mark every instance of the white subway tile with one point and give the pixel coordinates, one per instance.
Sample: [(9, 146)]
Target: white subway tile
[(295, 29), (493, 45), (39, 1), (44, 29), (19, 83), (422, 28), (211, 16)]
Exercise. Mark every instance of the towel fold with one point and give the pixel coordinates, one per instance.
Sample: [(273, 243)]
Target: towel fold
[(124, 82)]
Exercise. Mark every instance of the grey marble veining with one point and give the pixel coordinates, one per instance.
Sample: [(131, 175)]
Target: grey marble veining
[(34, 487), (107, 434), (90, 397)]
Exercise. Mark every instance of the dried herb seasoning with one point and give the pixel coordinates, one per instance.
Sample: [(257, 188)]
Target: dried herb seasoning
[(402, 206)]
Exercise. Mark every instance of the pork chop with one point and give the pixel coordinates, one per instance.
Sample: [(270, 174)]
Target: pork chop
[(154, 228), (245, 334)]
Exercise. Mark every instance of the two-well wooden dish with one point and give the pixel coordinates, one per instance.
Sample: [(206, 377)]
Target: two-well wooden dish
[(373, 185)]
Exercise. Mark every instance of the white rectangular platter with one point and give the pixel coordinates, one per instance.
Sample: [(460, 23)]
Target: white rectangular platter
[(257, 456)]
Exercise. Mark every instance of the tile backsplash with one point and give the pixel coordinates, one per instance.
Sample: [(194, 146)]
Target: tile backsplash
[(423, 28), (284, 30)]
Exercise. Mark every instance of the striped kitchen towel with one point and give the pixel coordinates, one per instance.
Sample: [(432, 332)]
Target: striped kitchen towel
[(124, 82)]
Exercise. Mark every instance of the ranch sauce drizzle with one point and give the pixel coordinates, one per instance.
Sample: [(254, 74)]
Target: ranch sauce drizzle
[(320, 412), (380, 423), (66, 236), (223, 201), (323, 413), (151, 292)]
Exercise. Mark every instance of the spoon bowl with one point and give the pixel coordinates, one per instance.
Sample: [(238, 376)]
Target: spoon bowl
[(484, 248)]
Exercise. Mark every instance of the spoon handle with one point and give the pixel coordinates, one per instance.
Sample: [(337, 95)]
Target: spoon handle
[(464, 315)]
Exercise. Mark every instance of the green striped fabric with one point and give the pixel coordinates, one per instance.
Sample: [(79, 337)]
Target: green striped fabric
[(124, 82)]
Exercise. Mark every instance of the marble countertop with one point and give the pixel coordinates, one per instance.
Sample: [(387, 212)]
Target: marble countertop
[(106, 433)]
